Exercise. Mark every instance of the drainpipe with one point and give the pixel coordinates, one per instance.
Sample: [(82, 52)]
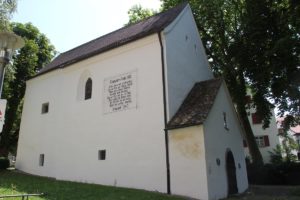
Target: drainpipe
[(165, 115)]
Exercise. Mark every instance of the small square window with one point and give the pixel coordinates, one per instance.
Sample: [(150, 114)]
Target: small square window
[(280, 131), (41, 160), (262, 141), (45, 108), (101, 154)]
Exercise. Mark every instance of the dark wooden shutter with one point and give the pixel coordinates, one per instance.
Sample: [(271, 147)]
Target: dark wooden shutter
[(266, 140), (256, 119), (248, 99)]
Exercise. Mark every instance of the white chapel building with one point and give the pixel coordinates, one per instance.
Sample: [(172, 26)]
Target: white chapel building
[(136, 108)]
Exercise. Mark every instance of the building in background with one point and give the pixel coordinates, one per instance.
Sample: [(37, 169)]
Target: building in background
[(266, 139), (293, 133)]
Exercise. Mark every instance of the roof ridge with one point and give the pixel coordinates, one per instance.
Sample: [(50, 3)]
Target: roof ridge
[(160, 13), (114, 39), (129, 25), (210, 80)]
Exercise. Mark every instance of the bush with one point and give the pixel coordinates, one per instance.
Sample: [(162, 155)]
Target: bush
[(286, 173), (4, 163)]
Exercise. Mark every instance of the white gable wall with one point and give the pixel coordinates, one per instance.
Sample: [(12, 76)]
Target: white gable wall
[(186, 61), (73, 131), (218, 141)]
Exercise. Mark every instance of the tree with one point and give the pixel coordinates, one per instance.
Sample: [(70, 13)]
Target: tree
[(289, 146), (29, 60), (7, 7), (276, 155), (136, 13), (284, 153), (255, 44)]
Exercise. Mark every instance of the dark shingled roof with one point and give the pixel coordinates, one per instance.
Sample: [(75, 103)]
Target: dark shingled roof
[(115, 39), (196, 106)]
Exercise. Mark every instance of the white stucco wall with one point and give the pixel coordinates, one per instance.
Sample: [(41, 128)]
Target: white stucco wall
[(187, 162), (217, 141), (39, 132), (186, 61), (73, 131)]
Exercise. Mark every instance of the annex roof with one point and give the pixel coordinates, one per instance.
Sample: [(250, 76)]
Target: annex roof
[(115, 39), (197, 105)]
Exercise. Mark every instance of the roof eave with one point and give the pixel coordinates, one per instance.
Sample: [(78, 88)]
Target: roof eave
[(80, 58), (184, 126)]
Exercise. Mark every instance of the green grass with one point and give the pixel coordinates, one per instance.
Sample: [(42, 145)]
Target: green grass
[(12, 182), (16, 183)]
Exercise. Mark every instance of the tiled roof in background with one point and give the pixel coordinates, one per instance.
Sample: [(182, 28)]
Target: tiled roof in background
[(196, 106), (294, 129), (115, 39)]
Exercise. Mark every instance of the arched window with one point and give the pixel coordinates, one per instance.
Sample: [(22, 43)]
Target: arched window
[(88, 89)]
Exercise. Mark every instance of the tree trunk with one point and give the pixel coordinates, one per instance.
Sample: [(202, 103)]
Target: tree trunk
[(250, 139)]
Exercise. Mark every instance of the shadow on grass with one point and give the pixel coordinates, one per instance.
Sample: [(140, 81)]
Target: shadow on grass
[(269, 192), (12, 182)]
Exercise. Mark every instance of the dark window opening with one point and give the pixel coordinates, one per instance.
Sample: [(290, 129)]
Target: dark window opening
[(42, 158), (88, 89), (280, 131), (45, 108), (245, 143), (225, 121), (248, 99), (101, 154), (256, 119), (262, 141)]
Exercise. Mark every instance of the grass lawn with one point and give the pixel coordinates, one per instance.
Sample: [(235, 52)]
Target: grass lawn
[(15, 183), (12, 182)]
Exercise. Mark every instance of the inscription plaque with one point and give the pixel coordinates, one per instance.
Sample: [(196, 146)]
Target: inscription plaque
[(120, 92)]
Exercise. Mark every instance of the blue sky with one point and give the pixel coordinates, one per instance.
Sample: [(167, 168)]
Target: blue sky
[(69, 23)]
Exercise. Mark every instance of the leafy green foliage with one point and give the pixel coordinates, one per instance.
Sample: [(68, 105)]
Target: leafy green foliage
[(286, 151), (136, 13), (7, 7), (272, 61), (276, 155), (26, 63), (288, 146)]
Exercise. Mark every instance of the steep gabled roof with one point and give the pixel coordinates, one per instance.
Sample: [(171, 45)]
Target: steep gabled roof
[(196, 106), (115, 39)]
